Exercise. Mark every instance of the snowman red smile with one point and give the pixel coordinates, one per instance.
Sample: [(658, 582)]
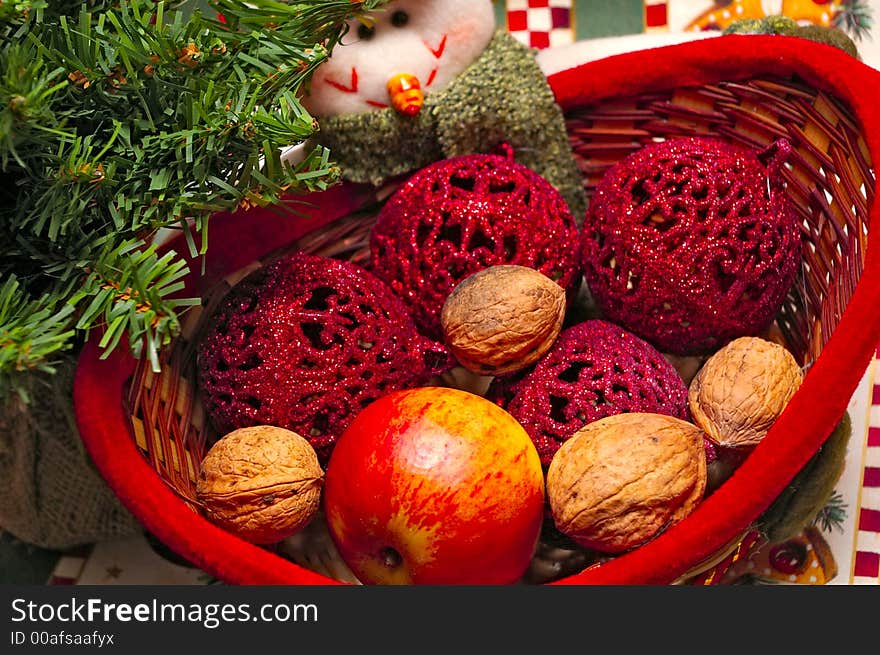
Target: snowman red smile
[(404, 91)]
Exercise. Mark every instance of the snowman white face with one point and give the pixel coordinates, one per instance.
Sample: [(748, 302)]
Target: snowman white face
[(426, 42)]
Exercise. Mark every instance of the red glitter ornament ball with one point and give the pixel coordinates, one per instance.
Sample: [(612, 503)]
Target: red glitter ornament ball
[(462, 215), (595, 369), (304, 343), (692, 242)]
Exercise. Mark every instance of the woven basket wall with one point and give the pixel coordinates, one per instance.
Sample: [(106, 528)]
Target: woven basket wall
[(829, 178)]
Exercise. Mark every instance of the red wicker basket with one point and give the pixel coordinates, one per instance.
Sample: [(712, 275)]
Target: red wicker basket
[(146, 433)]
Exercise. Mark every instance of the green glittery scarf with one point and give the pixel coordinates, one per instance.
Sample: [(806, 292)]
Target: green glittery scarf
[(502, 97)]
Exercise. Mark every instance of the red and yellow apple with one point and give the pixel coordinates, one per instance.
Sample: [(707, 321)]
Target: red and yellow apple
[(434, 485)]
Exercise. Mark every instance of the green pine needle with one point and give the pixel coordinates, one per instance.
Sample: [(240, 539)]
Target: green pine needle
[(855, 19), (833, 515), (32, 333), (118, 119)]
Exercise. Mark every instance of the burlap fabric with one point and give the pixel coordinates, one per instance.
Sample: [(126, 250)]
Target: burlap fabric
[(50, 493)]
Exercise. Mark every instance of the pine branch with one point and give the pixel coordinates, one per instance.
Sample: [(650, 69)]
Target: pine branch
[(131, 290), (833, 515), (32, 332), (118, 119), (855, 19)]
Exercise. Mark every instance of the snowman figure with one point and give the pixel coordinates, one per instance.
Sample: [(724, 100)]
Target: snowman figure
[(425, 80), (411, 38)]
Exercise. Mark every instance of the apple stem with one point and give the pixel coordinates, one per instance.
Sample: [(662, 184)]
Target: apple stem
[(391, 558)]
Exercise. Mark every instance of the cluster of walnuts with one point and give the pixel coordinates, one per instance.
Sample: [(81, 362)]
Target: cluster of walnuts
[(627, 440), (617, 481)]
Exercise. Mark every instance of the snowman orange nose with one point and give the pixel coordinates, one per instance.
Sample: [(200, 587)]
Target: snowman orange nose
[(406, 94)]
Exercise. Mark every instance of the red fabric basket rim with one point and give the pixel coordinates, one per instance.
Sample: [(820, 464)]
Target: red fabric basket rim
[(237, 240)]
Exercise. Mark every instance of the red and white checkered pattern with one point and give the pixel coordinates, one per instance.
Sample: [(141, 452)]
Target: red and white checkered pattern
[(866, 562), (656, 16), (541, 23)]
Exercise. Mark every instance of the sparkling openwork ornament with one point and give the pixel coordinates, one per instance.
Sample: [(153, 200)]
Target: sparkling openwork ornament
[(462, 215), (304, 343), (595, 369), (692, 242)]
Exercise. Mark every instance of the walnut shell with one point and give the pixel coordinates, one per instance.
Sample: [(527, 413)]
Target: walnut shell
[(261, 483), (742, 389), (617, 482), (502, 318)]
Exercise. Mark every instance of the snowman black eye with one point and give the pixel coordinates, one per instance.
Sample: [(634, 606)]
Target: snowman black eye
[(366, 32), (399, 18)]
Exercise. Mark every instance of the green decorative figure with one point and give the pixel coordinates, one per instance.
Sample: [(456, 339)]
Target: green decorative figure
[(811, 490), (785, 26)]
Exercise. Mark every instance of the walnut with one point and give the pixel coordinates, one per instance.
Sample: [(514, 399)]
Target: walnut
[(617, 482), (742, 389), (502, 318), (261, 483)]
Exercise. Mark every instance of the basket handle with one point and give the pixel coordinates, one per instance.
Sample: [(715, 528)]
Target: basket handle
[(240, 238)]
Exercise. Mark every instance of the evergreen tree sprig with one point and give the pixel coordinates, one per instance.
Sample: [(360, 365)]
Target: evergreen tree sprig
[(121, 118), (32, 332)]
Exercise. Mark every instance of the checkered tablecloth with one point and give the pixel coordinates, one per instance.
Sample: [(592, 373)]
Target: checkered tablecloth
[(553, 23), (866, 542), (545, 24)]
